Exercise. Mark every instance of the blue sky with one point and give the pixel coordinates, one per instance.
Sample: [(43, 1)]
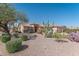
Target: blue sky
[(62, 14)]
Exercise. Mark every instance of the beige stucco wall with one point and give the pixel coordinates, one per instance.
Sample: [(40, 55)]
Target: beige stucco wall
[(54, 30), (21, 28)]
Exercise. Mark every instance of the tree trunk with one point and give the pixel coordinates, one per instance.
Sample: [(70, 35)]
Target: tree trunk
[(7, 31)]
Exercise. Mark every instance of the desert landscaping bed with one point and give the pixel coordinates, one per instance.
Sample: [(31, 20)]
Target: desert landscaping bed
[(44, 47)]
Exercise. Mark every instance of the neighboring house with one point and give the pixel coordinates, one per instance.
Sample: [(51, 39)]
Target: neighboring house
[(26, 27), (58, 28), (38, 27)]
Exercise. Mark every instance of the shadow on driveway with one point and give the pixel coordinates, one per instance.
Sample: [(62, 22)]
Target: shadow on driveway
[(62, 41), (23, 47)]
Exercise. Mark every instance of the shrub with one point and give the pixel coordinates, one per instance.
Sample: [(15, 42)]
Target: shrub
[(24, 37), (5, 38), (49, 34), (16, 35), (74, 37), (13, 45), (59, 35), (56, 35)]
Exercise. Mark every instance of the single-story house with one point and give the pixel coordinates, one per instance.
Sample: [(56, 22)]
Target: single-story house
[(57, 28), (26, 27)]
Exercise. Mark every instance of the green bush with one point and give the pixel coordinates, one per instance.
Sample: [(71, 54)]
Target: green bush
[(5, 38), (48, 32), (49, 35), (24, 37), (16, 35), (58, 35), (13, 45)]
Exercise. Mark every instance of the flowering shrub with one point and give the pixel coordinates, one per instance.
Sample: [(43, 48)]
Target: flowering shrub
[(74, 37)]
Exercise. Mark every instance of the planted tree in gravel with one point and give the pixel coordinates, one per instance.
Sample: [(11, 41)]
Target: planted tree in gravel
[(47, 30), (9, 15)]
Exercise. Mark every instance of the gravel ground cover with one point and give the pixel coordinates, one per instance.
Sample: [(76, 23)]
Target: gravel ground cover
[(41, 46)]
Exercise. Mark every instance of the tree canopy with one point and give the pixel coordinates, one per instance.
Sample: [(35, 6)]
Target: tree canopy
[(9, 15)]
